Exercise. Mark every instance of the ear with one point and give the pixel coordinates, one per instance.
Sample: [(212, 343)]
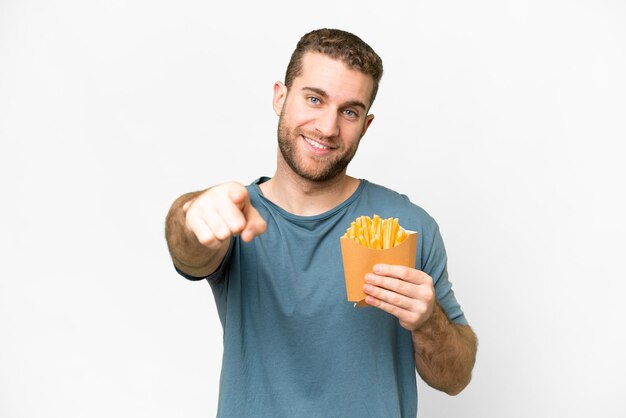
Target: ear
[(280, 94), (368, 122)]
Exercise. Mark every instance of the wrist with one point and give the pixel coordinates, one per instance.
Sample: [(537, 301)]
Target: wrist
[(436, 324)]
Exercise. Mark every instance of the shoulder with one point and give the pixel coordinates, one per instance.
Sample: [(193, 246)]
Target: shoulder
[(399, 205), (254, 190)]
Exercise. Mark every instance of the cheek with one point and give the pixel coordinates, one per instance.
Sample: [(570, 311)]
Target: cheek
[(300, 114), (354, 133)]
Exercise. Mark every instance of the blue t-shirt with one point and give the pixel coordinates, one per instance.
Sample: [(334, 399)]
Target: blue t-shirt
[(293, 345)]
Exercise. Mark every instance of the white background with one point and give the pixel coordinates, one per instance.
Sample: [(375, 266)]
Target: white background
[(504, 119)]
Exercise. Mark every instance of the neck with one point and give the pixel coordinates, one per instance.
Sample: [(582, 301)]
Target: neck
[(305, 197)]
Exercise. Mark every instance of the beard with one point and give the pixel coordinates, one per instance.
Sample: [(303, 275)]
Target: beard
[(321, 169)]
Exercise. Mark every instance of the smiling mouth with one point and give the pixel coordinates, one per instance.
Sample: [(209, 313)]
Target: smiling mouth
[(316, 144)]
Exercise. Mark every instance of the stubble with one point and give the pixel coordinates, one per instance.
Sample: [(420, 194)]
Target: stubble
[(324, 168)]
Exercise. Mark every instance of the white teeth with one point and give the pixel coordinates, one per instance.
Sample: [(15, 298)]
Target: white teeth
[(315, 143)]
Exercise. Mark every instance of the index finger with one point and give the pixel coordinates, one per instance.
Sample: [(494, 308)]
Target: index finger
[(405, 273), (255, 224)]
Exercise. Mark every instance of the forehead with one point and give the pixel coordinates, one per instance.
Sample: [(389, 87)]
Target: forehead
[(334, 77)]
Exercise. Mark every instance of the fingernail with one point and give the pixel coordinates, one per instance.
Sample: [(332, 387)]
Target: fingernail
[(378, 268)]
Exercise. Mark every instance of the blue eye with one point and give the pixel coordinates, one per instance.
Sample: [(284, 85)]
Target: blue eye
[(313, 100), (350, 113)]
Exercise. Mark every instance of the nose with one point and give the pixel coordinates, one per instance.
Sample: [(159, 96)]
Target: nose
[(327, 123)]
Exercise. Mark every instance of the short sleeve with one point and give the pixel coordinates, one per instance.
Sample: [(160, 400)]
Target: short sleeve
[(435, 265)]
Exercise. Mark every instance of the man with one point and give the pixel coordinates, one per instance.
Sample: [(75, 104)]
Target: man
[(293, 345)]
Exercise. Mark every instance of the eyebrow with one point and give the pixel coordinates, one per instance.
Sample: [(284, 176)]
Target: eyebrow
[(322, 93)]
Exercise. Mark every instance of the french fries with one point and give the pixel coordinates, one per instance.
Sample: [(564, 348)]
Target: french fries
[(376, 233)]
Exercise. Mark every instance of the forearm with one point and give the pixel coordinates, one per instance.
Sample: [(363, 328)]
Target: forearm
[(187, 253), (445, 353)]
